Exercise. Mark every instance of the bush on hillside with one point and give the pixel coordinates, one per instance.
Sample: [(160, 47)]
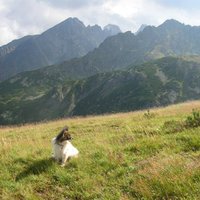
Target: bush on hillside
[(173, 126), (193, 120)]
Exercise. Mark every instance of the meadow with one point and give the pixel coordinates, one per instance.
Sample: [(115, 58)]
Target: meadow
[(135, 155)]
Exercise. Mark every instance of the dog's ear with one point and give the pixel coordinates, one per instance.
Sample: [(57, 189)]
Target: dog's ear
[(65, 129), (62, 134), (67, 136)]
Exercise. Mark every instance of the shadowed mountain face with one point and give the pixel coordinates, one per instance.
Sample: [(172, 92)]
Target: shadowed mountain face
[(29, 98), (92, 85), (117, 52), (69, 39)]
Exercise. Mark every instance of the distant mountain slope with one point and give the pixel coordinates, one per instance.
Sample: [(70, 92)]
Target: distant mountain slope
[(169, 39), (29, 98), (117, 52), (69, 39), (165, 81), (10, 47)]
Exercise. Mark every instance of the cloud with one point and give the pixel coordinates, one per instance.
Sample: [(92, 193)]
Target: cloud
[(181, 4), (73, 4), (155, 12), (22, 17)]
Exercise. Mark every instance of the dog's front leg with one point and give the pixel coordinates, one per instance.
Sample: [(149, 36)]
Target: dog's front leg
[(64, 160)]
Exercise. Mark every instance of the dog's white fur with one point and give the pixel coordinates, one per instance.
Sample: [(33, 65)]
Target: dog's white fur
[(64, 151)]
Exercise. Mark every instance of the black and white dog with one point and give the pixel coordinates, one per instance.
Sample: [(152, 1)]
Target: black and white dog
[(63, 149)]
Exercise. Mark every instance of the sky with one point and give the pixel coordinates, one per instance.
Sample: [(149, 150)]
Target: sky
[(26, 17)]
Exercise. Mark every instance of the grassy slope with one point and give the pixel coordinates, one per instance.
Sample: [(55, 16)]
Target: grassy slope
[(122, 156)]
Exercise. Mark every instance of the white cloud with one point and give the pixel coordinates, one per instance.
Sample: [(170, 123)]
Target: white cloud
[(73, 4), (138, 12), (22, 17)]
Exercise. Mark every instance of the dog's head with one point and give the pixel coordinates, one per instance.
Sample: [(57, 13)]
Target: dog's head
[(64, 135)]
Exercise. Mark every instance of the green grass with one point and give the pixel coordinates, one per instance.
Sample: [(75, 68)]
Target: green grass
[(122, 156)]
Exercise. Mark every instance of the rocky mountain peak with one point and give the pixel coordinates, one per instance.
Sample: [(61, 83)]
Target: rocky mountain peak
[(68, 24), (72, 21), (171, 23)]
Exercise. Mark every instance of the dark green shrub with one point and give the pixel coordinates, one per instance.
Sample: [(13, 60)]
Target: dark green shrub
[(193, 120), (173, 126)]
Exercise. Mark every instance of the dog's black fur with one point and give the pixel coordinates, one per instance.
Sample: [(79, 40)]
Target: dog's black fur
[(63, 135), (63, 149)]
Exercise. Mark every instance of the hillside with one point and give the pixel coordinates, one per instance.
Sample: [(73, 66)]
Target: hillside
[(171, 38), (138, 155), (38, 95), (68, 39)]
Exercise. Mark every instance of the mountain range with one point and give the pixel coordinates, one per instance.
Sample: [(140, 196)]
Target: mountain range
[(119, 51), (67, 40), (158, 66), (30, 97)]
